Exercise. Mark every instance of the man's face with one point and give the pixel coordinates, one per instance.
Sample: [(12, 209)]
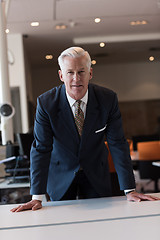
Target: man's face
[(75, 75)]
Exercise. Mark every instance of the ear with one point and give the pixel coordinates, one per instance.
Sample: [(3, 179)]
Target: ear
[(60, 75), (91, 73)]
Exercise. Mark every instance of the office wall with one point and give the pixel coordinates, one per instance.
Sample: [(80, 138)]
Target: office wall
[(43, 79), (138, 89), (131, 81)]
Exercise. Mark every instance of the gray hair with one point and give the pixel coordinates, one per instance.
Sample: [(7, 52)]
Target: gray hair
[(74, 52)]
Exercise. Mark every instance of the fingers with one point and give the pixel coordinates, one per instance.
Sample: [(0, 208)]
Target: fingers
[(13, 209), (16, 209), (149, 197), (134, 198), (21, 208), (138, 197), (32, 205)]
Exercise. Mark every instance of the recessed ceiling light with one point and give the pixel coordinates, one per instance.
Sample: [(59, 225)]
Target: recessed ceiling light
[(97, 20), (143, 22), (132, 23), (135, 23), (7, 30), (151, 58), (102, 44), (34, 24), (49, 57), (93, 62), (61, 27)]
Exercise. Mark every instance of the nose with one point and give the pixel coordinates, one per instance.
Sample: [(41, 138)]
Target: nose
[(76, 76)]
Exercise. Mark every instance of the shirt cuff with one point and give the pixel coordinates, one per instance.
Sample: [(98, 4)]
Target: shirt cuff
[(38, 197), (129, 190)]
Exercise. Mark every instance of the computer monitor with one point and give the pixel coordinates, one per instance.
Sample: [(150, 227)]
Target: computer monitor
[(25, 141)]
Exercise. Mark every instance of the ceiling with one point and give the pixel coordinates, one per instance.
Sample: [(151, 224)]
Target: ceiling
[(123, 41)]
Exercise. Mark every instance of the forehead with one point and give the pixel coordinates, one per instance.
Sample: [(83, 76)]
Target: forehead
[(77, 62)]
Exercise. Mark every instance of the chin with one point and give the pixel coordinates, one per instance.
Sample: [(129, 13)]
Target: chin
[(77, 93), (77, 96)]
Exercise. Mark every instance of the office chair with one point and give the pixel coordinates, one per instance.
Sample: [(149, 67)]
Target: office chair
[(149, 150), (20, 171), (25, 141)]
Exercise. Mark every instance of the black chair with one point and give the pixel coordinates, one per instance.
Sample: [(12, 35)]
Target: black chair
[(20, 169), (25, 141), (145, 167)]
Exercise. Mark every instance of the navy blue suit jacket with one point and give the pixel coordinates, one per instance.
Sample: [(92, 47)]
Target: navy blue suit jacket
[(57, 151)]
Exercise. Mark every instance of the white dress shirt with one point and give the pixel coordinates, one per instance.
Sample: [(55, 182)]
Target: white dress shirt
[(83, 103)]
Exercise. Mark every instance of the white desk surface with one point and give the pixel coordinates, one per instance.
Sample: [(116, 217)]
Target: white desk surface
[(103, 218), (5, 184)]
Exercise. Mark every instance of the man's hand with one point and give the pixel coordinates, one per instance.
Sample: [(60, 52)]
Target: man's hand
[(32, 205), (138, 197)]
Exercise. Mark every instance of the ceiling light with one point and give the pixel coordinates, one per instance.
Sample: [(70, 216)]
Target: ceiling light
[(61, 27), (97, 20), (151, 58), (135, 23), (7, 30), (143, 22), (49, 57), (34, 24), (93, 62), (102, 44)]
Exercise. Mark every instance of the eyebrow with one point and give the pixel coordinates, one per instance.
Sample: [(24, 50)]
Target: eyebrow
[(78, 70)]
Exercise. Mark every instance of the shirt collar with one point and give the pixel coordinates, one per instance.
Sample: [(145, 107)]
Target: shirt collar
[(72, 101)]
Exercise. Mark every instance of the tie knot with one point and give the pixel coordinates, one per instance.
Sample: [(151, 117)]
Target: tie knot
[(78, 103)]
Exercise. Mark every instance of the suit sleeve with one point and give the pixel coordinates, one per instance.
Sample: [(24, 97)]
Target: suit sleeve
[(119, 148), (40, 151)]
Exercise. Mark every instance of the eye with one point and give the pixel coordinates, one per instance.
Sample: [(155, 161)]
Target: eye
[(81, 72), (69, 72)]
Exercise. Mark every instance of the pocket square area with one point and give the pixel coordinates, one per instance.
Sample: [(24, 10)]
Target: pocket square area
[(102, 129)]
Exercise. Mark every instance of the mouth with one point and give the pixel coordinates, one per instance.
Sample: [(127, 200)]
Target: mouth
[(77, 86)]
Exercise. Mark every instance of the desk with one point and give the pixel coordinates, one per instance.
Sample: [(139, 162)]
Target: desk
[(147, 168), (104, 218), (157, 164), (7, 188), (5, 184)]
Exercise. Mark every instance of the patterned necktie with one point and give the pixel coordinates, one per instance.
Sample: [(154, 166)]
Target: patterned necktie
[(79, 117)]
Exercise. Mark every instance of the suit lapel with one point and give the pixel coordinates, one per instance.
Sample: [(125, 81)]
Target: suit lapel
[(92, 113), (66, 117)]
